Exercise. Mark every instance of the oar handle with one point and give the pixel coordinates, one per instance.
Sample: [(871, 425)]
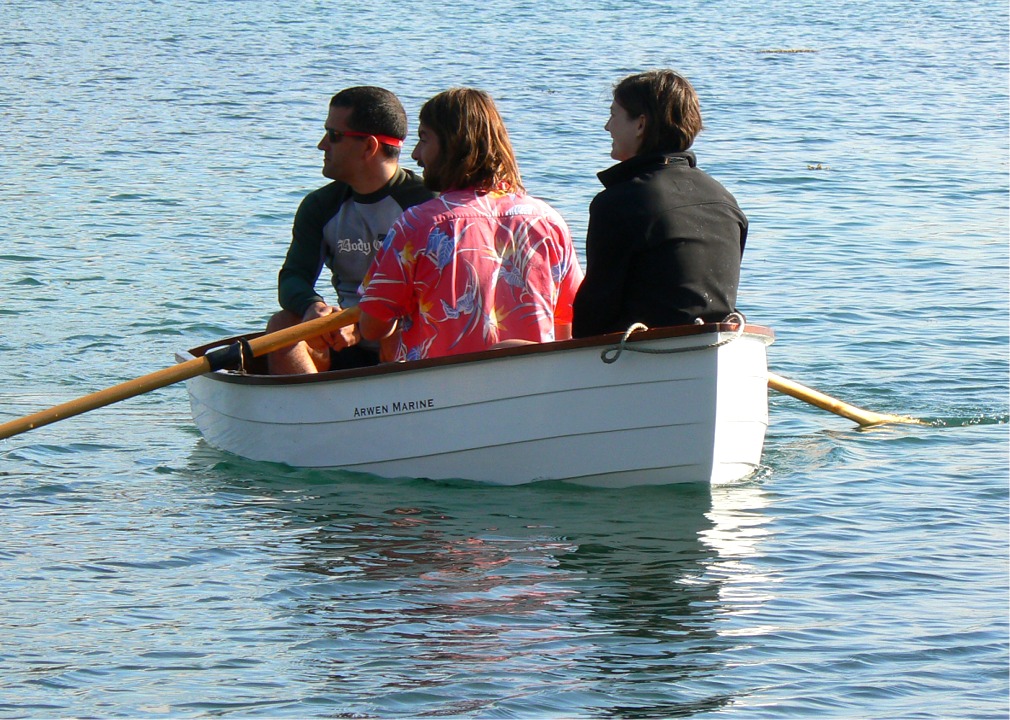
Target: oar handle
[(289, 336), (826, 402), (177, 373)]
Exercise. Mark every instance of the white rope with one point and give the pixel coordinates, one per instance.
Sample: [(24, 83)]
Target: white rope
[(610, 354)]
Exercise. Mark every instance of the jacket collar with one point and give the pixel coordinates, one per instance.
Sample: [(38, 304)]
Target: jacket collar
[(640, 163)]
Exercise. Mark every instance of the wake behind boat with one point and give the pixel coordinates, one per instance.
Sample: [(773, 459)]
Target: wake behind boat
[(668, 405)]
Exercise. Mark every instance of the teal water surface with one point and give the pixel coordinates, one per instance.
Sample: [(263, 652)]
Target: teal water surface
[(153, 157)]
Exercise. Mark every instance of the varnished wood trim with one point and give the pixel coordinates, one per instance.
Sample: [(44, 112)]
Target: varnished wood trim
[(601, 341)]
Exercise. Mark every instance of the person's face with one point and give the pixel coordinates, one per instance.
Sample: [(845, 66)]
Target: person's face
[(625, 131), (342, 155), (425, 154)]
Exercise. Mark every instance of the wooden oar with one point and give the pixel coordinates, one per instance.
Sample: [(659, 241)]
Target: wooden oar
[(226, 357), (865, 418)]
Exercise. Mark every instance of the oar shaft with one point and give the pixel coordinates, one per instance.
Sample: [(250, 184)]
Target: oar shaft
[(131, 388), (834, 405), (289, 336), (176, 373)]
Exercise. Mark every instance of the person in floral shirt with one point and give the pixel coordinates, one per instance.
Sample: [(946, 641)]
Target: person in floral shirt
[(482, 263)]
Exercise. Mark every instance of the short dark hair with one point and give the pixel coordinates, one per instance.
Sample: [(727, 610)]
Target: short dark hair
[(374, 110), (474, 147), (670, 106)]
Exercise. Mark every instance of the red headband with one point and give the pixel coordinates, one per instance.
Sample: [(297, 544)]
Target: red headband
[(335, 135), (384, 139), (387, 140)]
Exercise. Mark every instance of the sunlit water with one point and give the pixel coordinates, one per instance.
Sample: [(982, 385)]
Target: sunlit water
[(153, 155)]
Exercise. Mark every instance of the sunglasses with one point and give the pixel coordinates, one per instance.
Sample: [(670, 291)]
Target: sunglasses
[(336, 136)]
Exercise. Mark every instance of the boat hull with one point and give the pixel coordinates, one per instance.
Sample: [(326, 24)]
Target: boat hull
[(683, 411)]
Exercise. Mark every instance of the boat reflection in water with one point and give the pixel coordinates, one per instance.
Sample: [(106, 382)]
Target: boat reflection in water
[(423, 597)]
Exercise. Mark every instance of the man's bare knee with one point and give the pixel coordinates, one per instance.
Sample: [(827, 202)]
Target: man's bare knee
[(281, 320), (298, 358)]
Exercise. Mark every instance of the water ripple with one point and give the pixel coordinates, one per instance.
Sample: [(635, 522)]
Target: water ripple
[(856, 574)]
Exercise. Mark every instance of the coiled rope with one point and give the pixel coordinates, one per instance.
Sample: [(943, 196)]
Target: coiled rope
[(610, 354)]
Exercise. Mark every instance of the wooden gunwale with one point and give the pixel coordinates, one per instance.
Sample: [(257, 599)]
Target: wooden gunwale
[(601, 341)]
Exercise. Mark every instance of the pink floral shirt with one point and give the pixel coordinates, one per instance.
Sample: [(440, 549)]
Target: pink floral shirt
[(467, 270)]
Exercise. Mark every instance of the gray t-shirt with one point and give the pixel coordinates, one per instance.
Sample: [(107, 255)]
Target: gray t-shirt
[(340, 229), (350, 240)]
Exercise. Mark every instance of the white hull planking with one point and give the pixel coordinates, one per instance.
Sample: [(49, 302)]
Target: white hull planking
[(646, 419)]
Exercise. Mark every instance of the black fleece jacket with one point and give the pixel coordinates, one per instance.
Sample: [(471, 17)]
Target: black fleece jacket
[(663, 247)]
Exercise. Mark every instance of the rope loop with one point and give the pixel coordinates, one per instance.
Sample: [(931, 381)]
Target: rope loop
[(612, 353)]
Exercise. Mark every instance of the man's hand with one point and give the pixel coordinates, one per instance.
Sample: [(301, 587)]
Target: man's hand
[(339, 338)]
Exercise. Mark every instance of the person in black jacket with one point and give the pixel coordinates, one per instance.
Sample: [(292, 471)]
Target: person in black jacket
[(665, 239)]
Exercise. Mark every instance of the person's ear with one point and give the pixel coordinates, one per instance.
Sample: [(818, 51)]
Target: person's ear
[(372, 146)]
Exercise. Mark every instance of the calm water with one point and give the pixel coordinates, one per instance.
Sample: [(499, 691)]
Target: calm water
[(152, 157)]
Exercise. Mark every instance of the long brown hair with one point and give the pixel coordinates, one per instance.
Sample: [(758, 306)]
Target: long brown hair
[(670, 106), (474, 147)]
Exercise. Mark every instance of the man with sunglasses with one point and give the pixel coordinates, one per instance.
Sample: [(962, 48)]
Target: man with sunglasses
[(342, 224)]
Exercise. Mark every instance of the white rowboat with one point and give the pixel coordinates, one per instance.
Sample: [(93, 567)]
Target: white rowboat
[(669, 405)]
